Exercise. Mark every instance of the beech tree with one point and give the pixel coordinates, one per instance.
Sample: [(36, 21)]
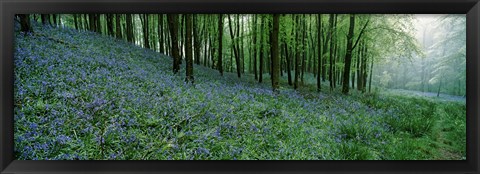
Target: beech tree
[(336, 50)]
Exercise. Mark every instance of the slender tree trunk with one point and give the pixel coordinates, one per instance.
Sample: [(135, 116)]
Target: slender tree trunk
[(304, 46), (330, 72), (364, 69), (54, 16), (75, 21), (188, 49), (240, 49), (129, 28), (255, 46), (173, 22), (146, 32), (275, 57), (359, 55), (439, 86), (371, 75), (289, 69), (25, 25), (118, 28), (44, 18), (98, 24), (261, 59), (86, 22), (297, 51), (196, 39), (110, 24), (91, 20), (220, 35), (348, 56), (235, 48), (319, 44), (161, 40), (207, 41)]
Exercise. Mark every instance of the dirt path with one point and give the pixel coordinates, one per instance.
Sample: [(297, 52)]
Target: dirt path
[(431, 95)]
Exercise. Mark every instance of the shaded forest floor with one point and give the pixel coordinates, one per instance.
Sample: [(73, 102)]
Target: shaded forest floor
[(431, 95), (95, 97)]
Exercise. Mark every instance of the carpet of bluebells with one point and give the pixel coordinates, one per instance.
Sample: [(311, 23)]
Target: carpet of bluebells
[(95, 97)]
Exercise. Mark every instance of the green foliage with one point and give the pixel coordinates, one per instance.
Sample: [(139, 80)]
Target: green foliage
[(118, 101)]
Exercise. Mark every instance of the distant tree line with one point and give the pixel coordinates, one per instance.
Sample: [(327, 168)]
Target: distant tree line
[(338, 49)]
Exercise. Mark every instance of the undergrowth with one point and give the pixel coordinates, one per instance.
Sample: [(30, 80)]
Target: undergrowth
[(108, 99)]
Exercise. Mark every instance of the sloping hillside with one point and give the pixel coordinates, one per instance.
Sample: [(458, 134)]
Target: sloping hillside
[(80, 95)]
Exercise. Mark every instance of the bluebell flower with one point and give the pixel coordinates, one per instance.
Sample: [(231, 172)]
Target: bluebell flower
[(202, 150), (33, 126), (63, 139)]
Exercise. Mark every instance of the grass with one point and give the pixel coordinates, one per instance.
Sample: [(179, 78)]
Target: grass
[(108, 99)]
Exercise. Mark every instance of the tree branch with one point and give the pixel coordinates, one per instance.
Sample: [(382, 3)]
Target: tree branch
[(361, 32)]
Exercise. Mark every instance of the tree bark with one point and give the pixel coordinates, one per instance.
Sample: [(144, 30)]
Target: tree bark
[(118, 28), (173, 22), (297, 51), (129, 28), (371, 71), (220, 36), (188, 49), (275, 57), (196, 39), (146, 41), (330, 71), (25, 25), (289, 64), (235, 48), (348, 56), (75, 20), (255, 46), (262, 28), (319, 66), (110, 24), (44, 18)]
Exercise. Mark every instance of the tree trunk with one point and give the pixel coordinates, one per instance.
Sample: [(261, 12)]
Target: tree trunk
[(188, 49), (255, 46), (110, 24), (330, 72), (364, 69), (235, 48), (275, 58), (371, 71), (240, 49), (75, 20), (91, 22), (54, 16), (25, 25), (129, 28), (44, 18), (146, 42), (319, 43), (98, 24), (348, 56), (118, 28), (289, 69), (196, 39), (297, 52), (439, 86), (173, 22), (220, 35), (359, 82), (304, 46), (262, 28)]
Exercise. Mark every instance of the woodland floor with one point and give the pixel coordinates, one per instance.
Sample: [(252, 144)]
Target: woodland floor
[(80, 95)]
